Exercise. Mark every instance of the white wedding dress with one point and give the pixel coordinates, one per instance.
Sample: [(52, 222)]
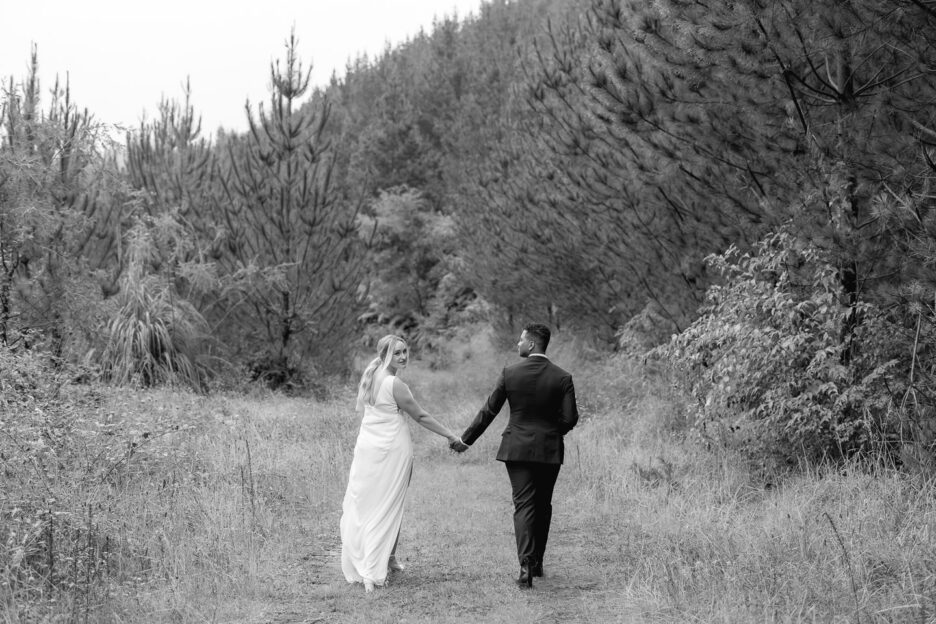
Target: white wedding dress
[(372, 511)]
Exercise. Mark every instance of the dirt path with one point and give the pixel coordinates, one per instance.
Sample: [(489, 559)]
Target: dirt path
[(459, 551)]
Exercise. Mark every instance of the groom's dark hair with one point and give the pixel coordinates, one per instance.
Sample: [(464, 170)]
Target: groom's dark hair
[(539, 333)]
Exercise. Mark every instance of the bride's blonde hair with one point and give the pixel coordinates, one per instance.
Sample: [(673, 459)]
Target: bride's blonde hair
[(385, 347)]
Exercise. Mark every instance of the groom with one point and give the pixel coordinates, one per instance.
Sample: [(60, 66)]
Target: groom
[(542, 411)]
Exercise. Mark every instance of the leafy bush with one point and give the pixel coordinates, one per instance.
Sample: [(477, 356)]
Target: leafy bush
[(783, 362)]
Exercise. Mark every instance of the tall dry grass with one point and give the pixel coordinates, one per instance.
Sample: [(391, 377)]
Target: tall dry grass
[(166, 506), (708, 535), (163, 506)]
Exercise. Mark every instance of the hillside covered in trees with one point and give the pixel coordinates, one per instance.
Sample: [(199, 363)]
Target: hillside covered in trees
[(752, 178), (726, 209)]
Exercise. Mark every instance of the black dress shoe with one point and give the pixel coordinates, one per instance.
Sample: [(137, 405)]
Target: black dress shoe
[(525, 580), (536, 569)]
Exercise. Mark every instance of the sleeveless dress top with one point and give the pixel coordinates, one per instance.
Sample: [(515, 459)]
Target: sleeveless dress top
[(372, 510)]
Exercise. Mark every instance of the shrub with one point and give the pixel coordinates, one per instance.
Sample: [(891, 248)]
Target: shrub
[(783, 362)]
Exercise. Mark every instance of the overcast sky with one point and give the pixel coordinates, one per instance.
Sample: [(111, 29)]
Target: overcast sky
[(122, 56)]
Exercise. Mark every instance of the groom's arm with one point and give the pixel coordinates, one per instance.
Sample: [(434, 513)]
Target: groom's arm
[(487, 412), (569, 412)]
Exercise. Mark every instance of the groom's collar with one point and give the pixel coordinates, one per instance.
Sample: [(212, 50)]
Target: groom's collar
[(542, 355)]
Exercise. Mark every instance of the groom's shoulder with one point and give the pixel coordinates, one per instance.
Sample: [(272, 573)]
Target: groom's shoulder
[(536, 364), (558, 370), (521, 367), (510, 368)]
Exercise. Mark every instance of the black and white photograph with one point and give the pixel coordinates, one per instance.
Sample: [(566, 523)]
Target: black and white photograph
[(468, 311)]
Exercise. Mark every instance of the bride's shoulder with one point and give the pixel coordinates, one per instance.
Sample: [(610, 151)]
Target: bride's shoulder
[(393, 383), (398, 385)]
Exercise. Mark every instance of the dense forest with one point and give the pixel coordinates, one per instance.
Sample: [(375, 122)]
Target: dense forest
[(740, 192)]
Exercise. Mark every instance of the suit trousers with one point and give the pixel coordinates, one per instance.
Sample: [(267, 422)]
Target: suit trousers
[(532, 484)]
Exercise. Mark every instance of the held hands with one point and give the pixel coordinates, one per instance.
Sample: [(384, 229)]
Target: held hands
[(457, 445)]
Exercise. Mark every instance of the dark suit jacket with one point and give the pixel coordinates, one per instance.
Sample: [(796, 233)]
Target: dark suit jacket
[(542, 411)]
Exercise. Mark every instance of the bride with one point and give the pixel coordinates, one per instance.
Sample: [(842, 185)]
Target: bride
[(372, 511)]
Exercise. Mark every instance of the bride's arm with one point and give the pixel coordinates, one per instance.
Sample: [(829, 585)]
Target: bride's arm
[(405, 401)]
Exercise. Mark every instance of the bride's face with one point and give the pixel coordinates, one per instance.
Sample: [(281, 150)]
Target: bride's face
[(399, 357)]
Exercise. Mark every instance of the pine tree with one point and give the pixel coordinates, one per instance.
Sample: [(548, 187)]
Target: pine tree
[(51, 163), (664, 132), (291, 243), (732, 118), (518, 245)]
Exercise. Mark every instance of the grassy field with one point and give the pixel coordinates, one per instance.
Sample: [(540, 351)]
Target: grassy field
[(168, 507)]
